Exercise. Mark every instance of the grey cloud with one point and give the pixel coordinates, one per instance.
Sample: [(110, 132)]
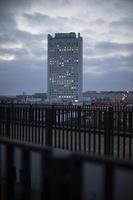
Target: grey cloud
[(27, 38), (127, 22), (36, 17), (105, 48), (22, 65), (111, 72), (53, 2), (44, 22), (111, 81), (17, 82), (7, 22), (15, 36), (113, 47), (122, 26), (6, 39), (8, 26), (18, 52), (98, 21), (32, 43), (115, 63), (22, 75), (14, 5)]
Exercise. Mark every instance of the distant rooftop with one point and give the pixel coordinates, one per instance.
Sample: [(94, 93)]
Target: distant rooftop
[(64, 35)]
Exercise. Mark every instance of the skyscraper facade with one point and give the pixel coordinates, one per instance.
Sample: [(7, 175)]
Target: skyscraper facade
[(65, 67)]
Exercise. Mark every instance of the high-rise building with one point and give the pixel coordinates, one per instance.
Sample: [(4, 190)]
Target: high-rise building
[(65, 67)]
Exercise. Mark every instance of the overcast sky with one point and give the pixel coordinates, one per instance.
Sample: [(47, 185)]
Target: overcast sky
[(106, 28)]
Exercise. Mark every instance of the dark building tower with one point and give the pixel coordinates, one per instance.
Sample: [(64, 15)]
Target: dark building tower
[(65, 67)]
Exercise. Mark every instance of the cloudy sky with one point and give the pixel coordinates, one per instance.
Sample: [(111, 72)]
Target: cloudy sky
[(106, 28)]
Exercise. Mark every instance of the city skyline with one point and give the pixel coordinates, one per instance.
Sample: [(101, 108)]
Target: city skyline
[(106, 28)]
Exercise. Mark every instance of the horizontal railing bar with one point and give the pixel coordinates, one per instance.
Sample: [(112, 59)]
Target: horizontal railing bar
[(73, 155)]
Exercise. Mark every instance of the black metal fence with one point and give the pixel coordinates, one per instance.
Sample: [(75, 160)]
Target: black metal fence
[(100, 130)]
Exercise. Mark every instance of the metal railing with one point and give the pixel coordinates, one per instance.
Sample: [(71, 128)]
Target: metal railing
[(99, 130), (37, 173)]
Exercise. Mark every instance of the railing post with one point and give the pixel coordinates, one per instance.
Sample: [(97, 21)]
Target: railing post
[(25, 175), (31, 114), (1, 120), (79, 116), (10, 172), (76, 178), (46, 159), (0, 171), (8, 121), (130, 129), (108, 182), (50, 119), (108, 130)]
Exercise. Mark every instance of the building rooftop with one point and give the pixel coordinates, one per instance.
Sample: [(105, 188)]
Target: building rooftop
[(64, 35)]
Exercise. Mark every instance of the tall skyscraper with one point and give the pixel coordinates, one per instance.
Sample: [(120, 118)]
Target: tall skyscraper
[(65, 67)]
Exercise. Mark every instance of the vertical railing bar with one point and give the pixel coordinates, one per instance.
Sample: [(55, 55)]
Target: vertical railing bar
[(35, 126), (27, 120), (89, 129), (124, 131), (79, 128), (99, 129), (20, 121), (61, 111), (1, 121), (15, 113), (112, 144), (58, 113), (55, 127), (83, 124), (29, 123), (42, 124), (130, 133), (17, 122), (59, 131), (39, 125), (75, 129), (12, 119), (67, 132), (118, 133), (71, 131), (94, 133)]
